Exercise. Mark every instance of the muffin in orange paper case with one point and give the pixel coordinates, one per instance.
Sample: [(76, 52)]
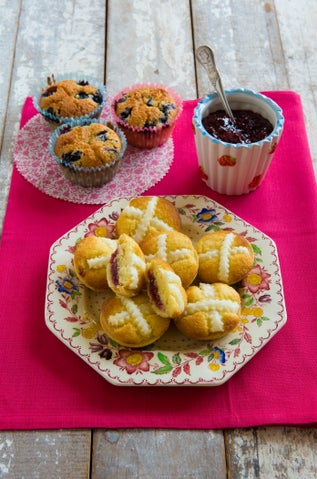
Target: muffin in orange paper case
[(147, 113)]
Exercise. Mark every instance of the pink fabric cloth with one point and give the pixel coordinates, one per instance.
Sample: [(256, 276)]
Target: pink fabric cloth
[(45, 385)]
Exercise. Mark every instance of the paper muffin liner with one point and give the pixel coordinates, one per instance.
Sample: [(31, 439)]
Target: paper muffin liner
[(55, 121), (236, 169), (149, 137), (87, 177)]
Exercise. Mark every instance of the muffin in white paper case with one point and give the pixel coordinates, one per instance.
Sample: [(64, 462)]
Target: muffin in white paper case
[(236, 168)]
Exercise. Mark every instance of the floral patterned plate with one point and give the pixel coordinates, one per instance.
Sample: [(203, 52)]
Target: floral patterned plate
[(72, 311)]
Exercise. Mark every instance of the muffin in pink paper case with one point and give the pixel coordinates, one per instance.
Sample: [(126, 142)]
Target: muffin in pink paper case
[(234, 156), (70, 96), (89, 152), (146, 113)]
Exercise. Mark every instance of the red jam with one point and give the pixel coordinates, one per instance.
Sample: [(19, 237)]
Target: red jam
[(247, 127), (114, 268)]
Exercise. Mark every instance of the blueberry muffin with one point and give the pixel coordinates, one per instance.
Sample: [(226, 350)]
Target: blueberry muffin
[(132, 322), (147, 214), (224, 256), (147, 114), (212, 311), (89, 153), (66, 99)]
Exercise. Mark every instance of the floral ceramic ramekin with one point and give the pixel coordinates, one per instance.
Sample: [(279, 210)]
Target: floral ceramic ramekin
[(236, 169)]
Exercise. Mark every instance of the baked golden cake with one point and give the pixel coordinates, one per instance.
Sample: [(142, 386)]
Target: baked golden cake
[(224, 256), (91, 256), (147, 214), (63, 100), (212, 311), (89, 153), (176, 249), (132, 322), (167, 295), (147, 113), (125, 271)]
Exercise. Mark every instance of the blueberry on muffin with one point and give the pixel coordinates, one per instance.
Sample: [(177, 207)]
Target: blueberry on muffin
[(147, 114), (89, 152), (63, 100)]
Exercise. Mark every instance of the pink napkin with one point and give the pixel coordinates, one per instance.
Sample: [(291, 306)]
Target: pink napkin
[(45, 385)]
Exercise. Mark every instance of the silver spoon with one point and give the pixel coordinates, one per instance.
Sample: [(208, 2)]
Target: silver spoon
[(206, 58)]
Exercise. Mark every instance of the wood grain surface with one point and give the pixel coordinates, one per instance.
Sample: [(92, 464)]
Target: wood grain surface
[(259, 45)]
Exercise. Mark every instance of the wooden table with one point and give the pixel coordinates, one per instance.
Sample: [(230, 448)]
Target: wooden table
[(259, 45)]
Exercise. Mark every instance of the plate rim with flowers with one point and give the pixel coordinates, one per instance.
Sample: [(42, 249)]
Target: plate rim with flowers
[(173, 360)]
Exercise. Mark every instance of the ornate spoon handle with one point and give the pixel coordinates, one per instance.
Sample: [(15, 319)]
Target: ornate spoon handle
[(206, 58)]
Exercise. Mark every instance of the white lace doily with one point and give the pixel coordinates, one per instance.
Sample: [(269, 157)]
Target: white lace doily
[(139, 170)]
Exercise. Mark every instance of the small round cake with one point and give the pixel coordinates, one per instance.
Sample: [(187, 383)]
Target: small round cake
[(132, 322), (61, 101), (212, 311), (125, 271), (167, 295), (89, 153), (147, 114), (91, 256), (176, 249), (224, 256), (148, 214)]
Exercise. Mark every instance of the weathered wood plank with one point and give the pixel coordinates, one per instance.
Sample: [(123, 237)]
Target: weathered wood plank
[(69, 37), (150, 42), (269, 452), (9, 14), (45, 454), (297, 25), (134, 453), (245, 39)]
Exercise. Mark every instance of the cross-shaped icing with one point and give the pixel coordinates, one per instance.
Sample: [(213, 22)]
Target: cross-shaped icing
[(146, 218), (168, 256), (224, 252), (213, 307), (131, 314)]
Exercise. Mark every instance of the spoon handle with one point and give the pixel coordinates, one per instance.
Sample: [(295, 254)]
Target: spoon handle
[(206, 58)]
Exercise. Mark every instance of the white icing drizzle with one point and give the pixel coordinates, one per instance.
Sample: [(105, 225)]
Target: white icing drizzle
[(209, 254), (145, 219), (240, 249), (162, 247), (119, 319), (102, 260), (224, 265), (179, 254), (160, 224), (213, 307), (133, 314)]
